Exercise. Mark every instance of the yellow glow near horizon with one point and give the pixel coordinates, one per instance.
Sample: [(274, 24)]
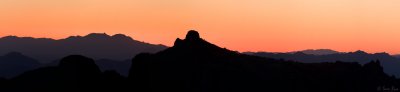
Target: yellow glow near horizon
[(250, 25)]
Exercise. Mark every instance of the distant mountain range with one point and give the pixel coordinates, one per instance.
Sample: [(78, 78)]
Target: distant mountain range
[(390, 63), (96, 45), (307, 51), (110, 52)]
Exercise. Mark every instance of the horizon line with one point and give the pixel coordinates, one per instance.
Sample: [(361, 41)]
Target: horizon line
[(369, 52)]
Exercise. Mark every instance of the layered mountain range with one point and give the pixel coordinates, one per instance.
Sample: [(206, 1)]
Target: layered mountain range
[(113, 53), (195, 65), (110, 52)]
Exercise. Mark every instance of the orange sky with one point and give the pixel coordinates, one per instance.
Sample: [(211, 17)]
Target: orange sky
[(243, 25)]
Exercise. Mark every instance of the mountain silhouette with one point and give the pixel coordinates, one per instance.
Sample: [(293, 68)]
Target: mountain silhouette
[(195, 65), (76, 66), (391, 64), (15, 63), (96, 45)]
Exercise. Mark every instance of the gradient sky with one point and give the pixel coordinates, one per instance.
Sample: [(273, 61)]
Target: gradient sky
[(243, 25)]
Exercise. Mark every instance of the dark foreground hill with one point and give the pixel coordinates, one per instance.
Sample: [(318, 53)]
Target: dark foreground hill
[(73, 74), (195, 65), (14, 63), (122, 67), (96, 45)]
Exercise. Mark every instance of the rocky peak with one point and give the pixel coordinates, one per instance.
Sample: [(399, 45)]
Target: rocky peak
[(192, 38), (192, 35), (193, 43)]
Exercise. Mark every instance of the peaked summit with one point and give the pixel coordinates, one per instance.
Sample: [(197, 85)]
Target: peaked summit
[(193, 43), (191, 37)]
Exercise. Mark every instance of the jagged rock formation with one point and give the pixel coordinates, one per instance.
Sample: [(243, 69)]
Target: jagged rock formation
[(193, 35)]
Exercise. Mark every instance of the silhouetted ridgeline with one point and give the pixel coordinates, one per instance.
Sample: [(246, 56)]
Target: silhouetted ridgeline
[(195, 65), (390, 63), (96, 45), (320, 51)]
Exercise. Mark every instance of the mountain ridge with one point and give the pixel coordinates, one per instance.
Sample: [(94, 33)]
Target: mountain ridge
[(96, 45), (318, 51)]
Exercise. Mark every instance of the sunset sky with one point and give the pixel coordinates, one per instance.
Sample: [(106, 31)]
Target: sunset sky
[(242, 25)]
